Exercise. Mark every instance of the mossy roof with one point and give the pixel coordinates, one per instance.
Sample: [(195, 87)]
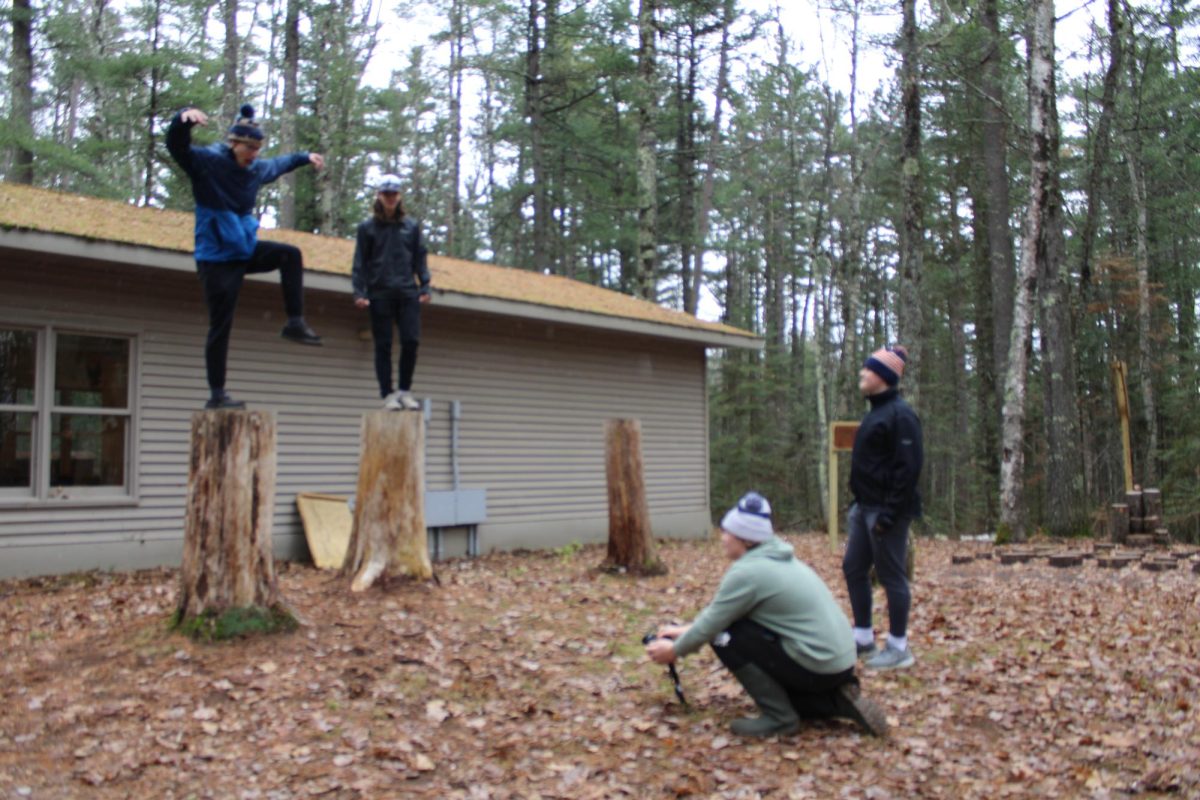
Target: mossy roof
[(90, 218)]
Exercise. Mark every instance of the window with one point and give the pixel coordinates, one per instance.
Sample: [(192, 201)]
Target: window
[(66, 414)]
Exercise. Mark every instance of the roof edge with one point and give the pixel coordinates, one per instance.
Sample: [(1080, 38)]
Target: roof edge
[(143, 256)]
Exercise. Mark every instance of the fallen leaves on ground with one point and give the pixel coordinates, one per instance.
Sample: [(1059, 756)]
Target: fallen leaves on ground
[(522, 676)]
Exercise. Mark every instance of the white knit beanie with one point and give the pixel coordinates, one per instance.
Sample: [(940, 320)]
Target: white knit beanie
[(750, 519)]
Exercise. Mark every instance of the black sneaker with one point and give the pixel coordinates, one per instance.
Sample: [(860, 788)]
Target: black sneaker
[(224, 402), (300, 333)]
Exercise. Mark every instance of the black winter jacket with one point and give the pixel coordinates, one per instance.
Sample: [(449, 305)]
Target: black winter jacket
[(390, 258), (887, 457)]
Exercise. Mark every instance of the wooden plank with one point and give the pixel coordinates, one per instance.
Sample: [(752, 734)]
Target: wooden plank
[(327, 522)]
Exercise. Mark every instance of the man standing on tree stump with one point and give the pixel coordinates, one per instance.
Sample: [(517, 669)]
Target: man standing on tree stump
[(884, 467), (225, 181)]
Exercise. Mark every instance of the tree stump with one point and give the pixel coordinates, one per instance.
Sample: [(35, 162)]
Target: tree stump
[(227, 561), (630, 542), (1067, 559), (1118, 522), (1135, 500), (388, 535), (1152, 504)]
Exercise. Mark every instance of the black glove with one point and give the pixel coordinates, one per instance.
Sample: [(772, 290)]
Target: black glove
[(883, 523)]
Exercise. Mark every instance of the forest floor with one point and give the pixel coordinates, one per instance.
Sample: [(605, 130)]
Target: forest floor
[(522, 676)]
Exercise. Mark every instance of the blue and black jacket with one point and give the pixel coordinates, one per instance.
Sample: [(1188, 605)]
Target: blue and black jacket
[(226, 228), (887, 458)]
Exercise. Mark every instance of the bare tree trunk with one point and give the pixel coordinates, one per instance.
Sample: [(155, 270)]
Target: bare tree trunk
[(231, 91), (152, 110), (710, 161), (1041, 87), (1064, 459), (389, 536), (647, 141), (227, 561), (456, 69), (630, 541), (1137, 187), (291, 108), (994, 142), (1100, 141), (912, 232), (535, 112), (21, 82)]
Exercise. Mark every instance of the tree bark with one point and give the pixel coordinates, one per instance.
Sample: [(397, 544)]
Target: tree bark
[(21, 82), (994, 141), (1100, 141), (912, 231), (630, 542), (1064, 511), (647, 142), (707, 188), (1041, 84), (227, 561), (291, 108), (231, 91), (388, 536), (456, 69)]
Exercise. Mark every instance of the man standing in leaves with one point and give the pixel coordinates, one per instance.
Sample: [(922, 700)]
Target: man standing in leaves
[(884, 467), (225, 181)]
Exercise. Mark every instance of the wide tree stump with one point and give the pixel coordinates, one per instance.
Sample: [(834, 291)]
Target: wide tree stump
[(388, 536), (1068, 559), (227, 561), (630, 541)]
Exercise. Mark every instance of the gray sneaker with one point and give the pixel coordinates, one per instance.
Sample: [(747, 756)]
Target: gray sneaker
[(865, 650), (891, 658)]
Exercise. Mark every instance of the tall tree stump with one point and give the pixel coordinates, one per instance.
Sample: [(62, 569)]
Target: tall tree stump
[(630, 542), (1118, 522), (1152, 505), (388, 535), (227, 561)]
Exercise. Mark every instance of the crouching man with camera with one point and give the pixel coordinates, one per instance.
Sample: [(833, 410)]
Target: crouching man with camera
[(774, 624)]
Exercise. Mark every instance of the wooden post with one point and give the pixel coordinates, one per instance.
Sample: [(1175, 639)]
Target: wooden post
[(630, 542), (1118, 522), (227, 560), (388, 535), (1121, 389)]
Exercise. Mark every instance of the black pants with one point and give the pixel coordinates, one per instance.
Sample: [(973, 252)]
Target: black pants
[(811, 693), (222, 282), (390, 311), (888, 552)]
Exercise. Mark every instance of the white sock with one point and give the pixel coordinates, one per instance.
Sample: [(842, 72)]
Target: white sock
[(897, 642), (864, 636)]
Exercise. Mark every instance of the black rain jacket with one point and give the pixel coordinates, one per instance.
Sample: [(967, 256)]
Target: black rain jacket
[(887, 457)]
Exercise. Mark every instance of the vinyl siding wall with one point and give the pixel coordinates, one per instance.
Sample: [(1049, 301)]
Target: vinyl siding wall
[(534, 400)]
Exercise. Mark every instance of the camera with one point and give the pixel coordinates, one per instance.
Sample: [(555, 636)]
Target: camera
[(650, 637)]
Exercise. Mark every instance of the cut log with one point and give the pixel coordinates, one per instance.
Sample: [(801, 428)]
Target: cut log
[(227, 561), (962, 558), (1115, 561), (1152, 503), (1140, 540), (1159, 564), (1017, 556), (1118, 522), (630, 542), (1135, 500), (388, 536), (1068, 559)]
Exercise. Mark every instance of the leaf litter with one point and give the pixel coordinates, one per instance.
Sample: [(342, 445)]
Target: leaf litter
[(522, 676)]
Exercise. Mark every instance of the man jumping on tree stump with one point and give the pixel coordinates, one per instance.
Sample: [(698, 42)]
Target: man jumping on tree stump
[(225, 181), (884, 467)]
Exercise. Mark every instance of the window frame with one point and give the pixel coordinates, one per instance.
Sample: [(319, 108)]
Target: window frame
[(41, 494)]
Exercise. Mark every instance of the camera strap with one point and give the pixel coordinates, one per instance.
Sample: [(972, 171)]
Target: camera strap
[(674, 673)]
